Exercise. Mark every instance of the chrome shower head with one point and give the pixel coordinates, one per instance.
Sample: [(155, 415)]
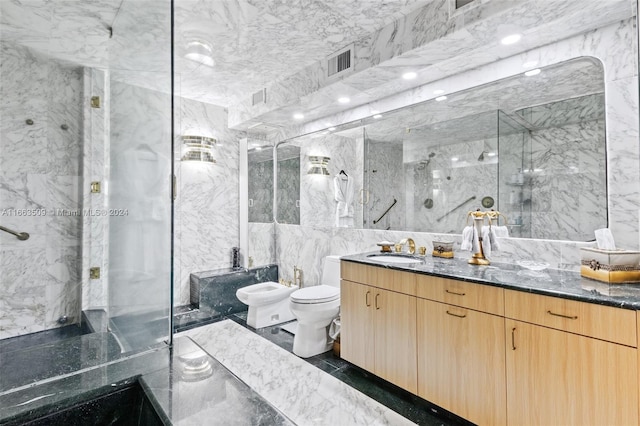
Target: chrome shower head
[(481, 157)]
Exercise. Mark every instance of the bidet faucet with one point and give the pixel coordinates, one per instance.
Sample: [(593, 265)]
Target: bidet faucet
[(297, 276), (412, 245)]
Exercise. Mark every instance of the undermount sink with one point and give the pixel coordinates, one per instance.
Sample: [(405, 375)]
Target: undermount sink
[(393, 258)]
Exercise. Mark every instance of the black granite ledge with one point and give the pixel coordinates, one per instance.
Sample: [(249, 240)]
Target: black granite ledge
[(77, 388), (550, 282)]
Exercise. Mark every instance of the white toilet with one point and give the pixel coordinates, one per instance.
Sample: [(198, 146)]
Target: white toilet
[(315, 308), (268, 303)]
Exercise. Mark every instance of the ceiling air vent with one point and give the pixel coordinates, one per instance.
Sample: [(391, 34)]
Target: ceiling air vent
[(460, 3), (340, 61), (260, 97)]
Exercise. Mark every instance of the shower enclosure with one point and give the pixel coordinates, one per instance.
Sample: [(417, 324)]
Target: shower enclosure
[(85, 170)]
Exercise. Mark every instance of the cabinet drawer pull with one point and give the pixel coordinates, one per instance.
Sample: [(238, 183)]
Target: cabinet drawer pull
[(573, 317), (366, 298), (456, 315), (377, 307), (513, 338), (453, 292)]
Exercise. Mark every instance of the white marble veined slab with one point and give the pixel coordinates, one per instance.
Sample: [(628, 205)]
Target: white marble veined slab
[(302, 392)]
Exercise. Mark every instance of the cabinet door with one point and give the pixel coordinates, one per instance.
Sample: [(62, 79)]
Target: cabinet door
[(357, 324), (461, 361), (395, 339), (560, 378)]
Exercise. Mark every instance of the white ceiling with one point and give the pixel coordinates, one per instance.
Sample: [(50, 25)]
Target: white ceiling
[(254, 41)]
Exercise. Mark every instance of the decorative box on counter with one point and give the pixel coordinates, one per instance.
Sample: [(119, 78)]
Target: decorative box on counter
[(610, 266), (442, 249)]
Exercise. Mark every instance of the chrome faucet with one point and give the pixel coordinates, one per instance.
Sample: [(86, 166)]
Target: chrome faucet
[(297, 276), (412, 245)]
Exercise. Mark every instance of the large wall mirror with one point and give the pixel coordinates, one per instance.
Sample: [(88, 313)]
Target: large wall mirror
[(531, 146)]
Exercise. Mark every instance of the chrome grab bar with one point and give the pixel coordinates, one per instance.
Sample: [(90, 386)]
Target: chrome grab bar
[(386, 211), (19, 235), (455, 208)]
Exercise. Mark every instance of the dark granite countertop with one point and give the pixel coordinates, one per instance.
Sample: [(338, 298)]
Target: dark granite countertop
[(551, 282)]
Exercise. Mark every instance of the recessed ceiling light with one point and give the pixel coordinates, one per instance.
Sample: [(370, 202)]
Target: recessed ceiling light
[(529, 64), (298, 116), (441, 98), (511, 39), (344, 100), (201, 52), (454, 158), (409, 75), (332, 128), (532, 72), (491, 154), (438, 92), (377, 115), (258, 148)]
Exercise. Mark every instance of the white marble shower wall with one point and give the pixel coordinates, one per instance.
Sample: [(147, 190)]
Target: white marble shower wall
[(40, 171), (383, 186), (560, 170), (207, 203), (616, 47), (452, 180)]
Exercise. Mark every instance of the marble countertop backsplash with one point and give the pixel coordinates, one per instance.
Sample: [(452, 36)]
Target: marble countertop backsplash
[(550, 282)]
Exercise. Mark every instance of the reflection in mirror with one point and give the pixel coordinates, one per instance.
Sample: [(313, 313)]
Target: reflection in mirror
[(566, 141), (260, 184), (288, 175), (523, 145)]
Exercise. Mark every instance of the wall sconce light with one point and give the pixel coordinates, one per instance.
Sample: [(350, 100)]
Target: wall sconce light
[(198, 148), (319, 166)]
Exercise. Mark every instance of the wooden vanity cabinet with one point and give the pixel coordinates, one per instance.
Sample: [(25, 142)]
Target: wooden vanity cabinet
[(557, 376), (461, 359), (490, 355), (378, 326)]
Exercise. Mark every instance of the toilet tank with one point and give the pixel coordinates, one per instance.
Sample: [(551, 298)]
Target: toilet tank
[(331, 271)]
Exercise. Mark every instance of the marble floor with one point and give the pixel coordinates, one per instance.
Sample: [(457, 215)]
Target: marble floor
[(319, 390)]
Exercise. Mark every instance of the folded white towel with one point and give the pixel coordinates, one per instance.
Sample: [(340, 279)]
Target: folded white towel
[(467, 239), (501, 231), (493, 239), (486, 241)]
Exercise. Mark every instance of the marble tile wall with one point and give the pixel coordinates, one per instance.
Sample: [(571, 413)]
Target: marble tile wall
[(384, 181), (40, 173), (289, 190), (207, 203), (560, 171), (261, 191), (450, 185), (261, 244)]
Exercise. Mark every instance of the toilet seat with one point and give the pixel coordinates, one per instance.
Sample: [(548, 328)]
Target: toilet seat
[(316, 294)]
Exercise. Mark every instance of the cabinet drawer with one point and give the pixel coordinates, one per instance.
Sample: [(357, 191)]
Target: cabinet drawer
[(460, 293), (588, 319), (389, 279)]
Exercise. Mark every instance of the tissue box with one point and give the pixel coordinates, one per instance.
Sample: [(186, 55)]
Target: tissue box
[(610, 266)]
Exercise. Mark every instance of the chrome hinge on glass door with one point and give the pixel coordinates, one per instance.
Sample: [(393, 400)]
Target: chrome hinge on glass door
[(174, 187)]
